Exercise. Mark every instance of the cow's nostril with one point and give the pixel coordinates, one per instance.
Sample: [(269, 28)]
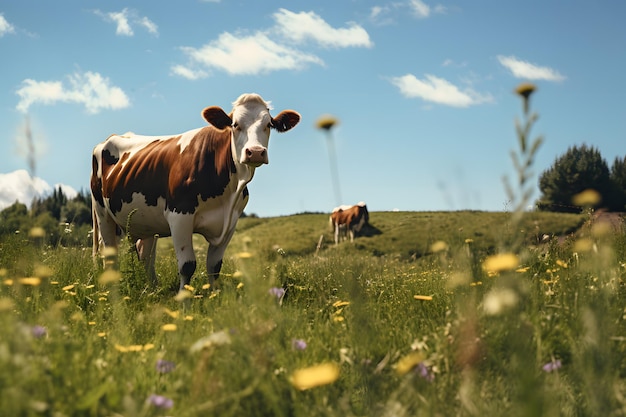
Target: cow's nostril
[(248, 152)]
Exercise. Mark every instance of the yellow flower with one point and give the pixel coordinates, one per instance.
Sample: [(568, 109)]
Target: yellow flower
[(170, 327), (341, 303), (561, 263), (68, 287), (525, 90), (244, 255), (8, 282), (32, 281), (172, 314), (183, 295), (423, 297), (408, 362), (189, 288), (240, 285), (501, 262), (37, 232), (102, 334), (315, 376), (326, 122), (439, 246), (206, 286), (587, 198)]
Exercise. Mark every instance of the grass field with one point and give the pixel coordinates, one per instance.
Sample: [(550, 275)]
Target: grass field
[(428, 314)]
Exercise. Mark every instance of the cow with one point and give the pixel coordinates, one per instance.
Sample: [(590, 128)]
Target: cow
[(348, 220), (178, 185)]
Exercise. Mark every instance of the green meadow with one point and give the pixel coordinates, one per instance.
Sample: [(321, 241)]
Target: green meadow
[(425, 314)]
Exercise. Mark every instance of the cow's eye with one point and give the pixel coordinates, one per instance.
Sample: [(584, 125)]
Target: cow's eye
[(235, 125), (269, 125)]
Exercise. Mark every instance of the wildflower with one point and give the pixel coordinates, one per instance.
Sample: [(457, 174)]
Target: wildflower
[(68, 287), (587, 198), (32, 281), (189, 288), (170, 327), (172, 314), (37, 232), (160, 401), (551, 366), (425, 372), (240, 285), (498, 300), (164, 367), (341, 303), (183, 295), (326, 122), (277, 292), (244, 255), (38, 331), (525, 90), (408, 362), (423, 297), (439, 246), (298, 344), (501, 262), (315, 376)]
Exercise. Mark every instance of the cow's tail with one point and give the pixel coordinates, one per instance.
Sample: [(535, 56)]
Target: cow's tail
[(331, 223)]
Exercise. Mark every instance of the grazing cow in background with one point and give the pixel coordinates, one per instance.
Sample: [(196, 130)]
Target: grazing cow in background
[(193, 182), (348, 220)]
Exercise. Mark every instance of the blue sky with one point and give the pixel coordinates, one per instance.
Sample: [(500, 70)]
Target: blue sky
[(423, 90)]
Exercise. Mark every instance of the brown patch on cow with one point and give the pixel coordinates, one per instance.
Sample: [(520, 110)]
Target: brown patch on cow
[(160, 170), (96, 182)]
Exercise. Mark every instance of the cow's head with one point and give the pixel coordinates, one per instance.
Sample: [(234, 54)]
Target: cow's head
[(250, 123)]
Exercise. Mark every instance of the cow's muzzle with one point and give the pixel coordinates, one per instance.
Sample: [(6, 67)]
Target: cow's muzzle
[(255, 155)]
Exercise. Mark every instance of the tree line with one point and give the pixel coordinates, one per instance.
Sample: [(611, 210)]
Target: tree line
[(68, 221)]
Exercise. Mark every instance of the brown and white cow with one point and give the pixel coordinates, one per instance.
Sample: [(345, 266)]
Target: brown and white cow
[(348, 220), (193, 182)]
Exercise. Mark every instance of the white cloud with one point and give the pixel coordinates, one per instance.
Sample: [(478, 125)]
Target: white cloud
[(5, 26), (438, 90), (299, 27), (524, 69), (419, 8), (246, 55), (20, 186), (123, 19), (89, 88), (269, 50), (188, 73)]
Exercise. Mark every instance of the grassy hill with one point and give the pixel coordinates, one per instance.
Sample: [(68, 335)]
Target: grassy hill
[(405, 235)]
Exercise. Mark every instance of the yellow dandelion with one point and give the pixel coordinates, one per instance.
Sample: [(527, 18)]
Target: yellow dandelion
[(120, 348), (109, 277), (189, 288), (135, 348), (183, 295), (439, 246), (240, 285), (87, 287), (326, 122), (91, 323), (3, 272), (237, 274), (423, 297), (172, 314), (522, 270), (101, 334), (338, 319), (315, 376), (206, 286), (170, 327), (525, 90), (213, 295), (476, 284), (68, 287), (561, 263), (8, 282), (468, 241), (501, 262), (31, 281), (587, 198), (340, 303), (54, 282), (148, 346), (188, 318), (408, 362), (37, 232), (244, 255)]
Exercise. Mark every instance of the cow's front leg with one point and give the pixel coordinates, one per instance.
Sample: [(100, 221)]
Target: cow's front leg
[(214, 258), (182, 234)]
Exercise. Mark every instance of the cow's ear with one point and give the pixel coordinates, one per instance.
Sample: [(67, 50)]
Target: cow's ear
[(217, 117), (285, 120)]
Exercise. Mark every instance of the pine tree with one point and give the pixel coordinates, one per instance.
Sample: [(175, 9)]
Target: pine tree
[(579, 169)]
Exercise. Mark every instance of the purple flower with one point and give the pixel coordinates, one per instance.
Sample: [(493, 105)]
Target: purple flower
[(277, 292), (160, 401), (551, 366), (298, 344), (425, 372), (38, 331), (164, 367)]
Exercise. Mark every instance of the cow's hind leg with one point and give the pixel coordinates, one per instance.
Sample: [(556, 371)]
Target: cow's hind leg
[(146, 251)]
